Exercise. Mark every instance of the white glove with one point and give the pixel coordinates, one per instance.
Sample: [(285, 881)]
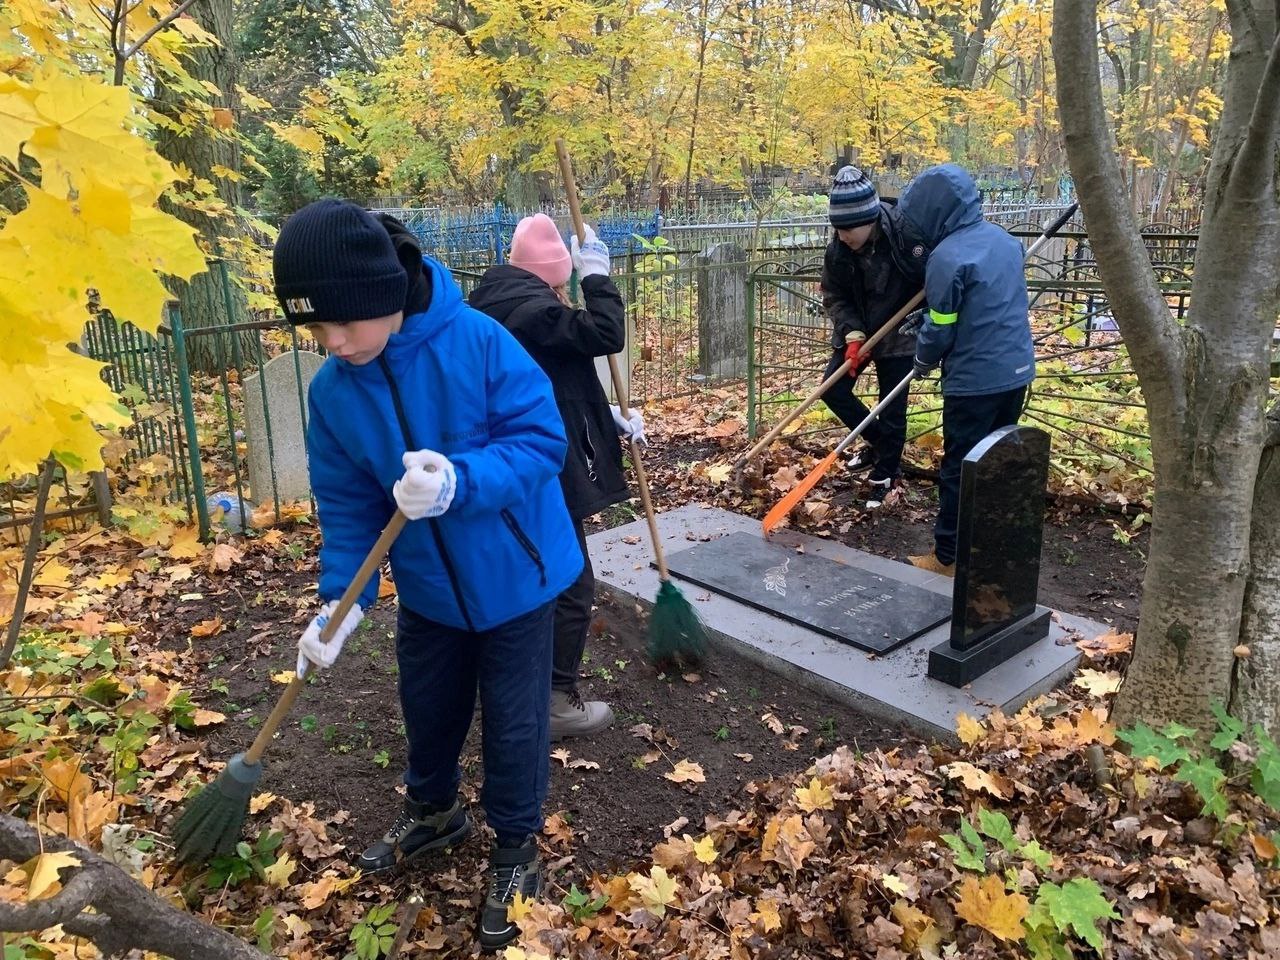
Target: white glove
[(428, 484), (629, 429), (310, 648), (592, 257)]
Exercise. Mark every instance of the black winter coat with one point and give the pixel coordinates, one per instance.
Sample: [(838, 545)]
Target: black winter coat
[(565, 342), (863, 290)]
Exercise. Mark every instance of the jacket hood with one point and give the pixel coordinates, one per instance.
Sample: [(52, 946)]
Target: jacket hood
[(940, 201), (505, 287)]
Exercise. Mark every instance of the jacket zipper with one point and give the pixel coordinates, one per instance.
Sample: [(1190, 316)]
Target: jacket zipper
[(523, 539), (436, 533), (589, 450)]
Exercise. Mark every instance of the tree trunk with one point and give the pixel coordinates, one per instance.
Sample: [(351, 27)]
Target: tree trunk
[(210, 299), (126, 917), (1258, 671), (1206, 384)]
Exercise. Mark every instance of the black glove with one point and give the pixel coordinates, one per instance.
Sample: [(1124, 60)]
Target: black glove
[(912, 324), (922, 369)]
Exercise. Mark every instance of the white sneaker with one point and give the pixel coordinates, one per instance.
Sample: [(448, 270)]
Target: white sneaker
[(571, 716)]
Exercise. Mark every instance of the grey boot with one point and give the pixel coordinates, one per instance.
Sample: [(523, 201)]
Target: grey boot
[(419, 829), (571, 716)]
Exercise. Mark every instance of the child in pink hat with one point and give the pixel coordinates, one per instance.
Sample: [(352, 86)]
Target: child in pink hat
[(529, 296)]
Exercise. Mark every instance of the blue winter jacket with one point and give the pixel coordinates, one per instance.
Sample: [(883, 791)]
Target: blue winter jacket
[(468, 390), (974, 284)]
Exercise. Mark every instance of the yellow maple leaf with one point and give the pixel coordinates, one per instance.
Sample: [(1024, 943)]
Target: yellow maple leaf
[(984, 903), (686, 771), (520, 908), (976, 779), (719, 473), (919, 932), (261, 801), (284, 676), (186, 543), (279, 873), (42, 871), (766, 917), (315, 893), (969, 730), (705, 850), (816, 796), (1090, 728), (657, 891)]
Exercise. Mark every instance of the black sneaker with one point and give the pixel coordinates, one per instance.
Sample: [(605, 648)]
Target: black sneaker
[(879, 491), (512, 870), (864, 459), (419, 829)]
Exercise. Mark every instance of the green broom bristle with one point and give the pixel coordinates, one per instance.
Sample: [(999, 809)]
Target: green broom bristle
[(210, 824), (677, 638)]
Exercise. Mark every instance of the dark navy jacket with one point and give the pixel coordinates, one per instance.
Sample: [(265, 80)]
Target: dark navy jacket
[(975, 286), (456, 382)]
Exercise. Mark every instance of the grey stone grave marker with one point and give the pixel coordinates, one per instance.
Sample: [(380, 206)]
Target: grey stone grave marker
[(284, 457), (846, 603), (994, 613), (722, 312)]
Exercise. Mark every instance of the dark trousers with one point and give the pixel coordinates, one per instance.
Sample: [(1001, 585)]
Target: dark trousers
[(572, 620), (441, 668), (886, 434), (965, 421)]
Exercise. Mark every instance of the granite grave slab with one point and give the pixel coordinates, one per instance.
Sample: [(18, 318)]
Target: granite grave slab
[(855, 606)]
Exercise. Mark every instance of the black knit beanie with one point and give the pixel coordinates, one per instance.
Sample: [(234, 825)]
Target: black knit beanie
[(335, 263)]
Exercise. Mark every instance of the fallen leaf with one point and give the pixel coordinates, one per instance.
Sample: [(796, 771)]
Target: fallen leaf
[(207, 628), (186, 543), (816, 796), (766, 917), (1106, 645), (724, 429), (520, 907), (686, 771), (260, 802), (719, 473), (313, 895), (705, 850), (207, 718), (744, 757), (42, 871), (1263, 847), (224, 557), (657, 891), (975, 779), (1096, 683), (984, 903), (969, 730), (562, 755), (284, 676), (278, 874)]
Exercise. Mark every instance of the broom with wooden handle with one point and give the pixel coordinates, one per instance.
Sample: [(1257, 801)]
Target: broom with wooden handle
[(211, 823), (677, 638)]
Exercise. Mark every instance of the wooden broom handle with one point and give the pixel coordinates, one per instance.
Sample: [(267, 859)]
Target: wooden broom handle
[(619, 390), (349, 596)]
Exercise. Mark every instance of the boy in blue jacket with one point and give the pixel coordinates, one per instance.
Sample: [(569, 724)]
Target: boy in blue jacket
[(977, 328), (428, 405)]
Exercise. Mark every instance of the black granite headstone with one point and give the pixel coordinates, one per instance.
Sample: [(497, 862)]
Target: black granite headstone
[(994, 613), (840, 601)]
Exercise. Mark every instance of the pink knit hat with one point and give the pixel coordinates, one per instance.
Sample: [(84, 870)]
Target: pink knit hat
[(536, 246)]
